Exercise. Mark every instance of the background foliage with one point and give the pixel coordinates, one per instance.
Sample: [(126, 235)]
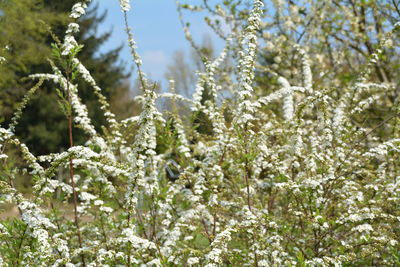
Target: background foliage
[(26, 28)]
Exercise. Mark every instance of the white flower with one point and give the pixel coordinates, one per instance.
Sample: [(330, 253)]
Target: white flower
[(288, 104), (78, 10), (72, 28), (85, 196), (125, 6), (98, 202), (193, 260), (363, 228), (69, 44)]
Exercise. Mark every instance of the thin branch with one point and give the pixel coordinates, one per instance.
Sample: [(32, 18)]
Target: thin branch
[(71, 168)]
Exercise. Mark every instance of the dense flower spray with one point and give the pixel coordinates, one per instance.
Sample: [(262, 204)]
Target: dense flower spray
[(284, 178)]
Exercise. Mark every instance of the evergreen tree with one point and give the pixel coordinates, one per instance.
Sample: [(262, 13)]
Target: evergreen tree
[(42, 126), (23, 44)]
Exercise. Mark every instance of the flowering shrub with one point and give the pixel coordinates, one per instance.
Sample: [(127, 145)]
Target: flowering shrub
[(302, 185)]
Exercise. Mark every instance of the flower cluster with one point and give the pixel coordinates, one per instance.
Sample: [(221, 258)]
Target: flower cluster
[(290, 175), (125, 5)]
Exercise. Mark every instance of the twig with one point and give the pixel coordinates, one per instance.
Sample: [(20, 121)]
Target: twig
[(71, 168)]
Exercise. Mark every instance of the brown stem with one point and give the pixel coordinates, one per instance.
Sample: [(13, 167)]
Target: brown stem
[(375, 128), (247, 177), (255, 252), (71, 170)]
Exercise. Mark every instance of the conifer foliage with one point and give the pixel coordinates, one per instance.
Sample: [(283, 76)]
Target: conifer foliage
[(26, 28)]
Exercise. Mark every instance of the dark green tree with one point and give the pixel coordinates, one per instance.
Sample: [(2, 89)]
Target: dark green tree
[(43, 126), (23, 44)]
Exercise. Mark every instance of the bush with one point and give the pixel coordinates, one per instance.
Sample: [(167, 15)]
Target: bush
[(299, 185)]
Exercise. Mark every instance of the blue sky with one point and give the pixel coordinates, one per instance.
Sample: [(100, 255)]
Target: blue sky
[(157, 31)]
